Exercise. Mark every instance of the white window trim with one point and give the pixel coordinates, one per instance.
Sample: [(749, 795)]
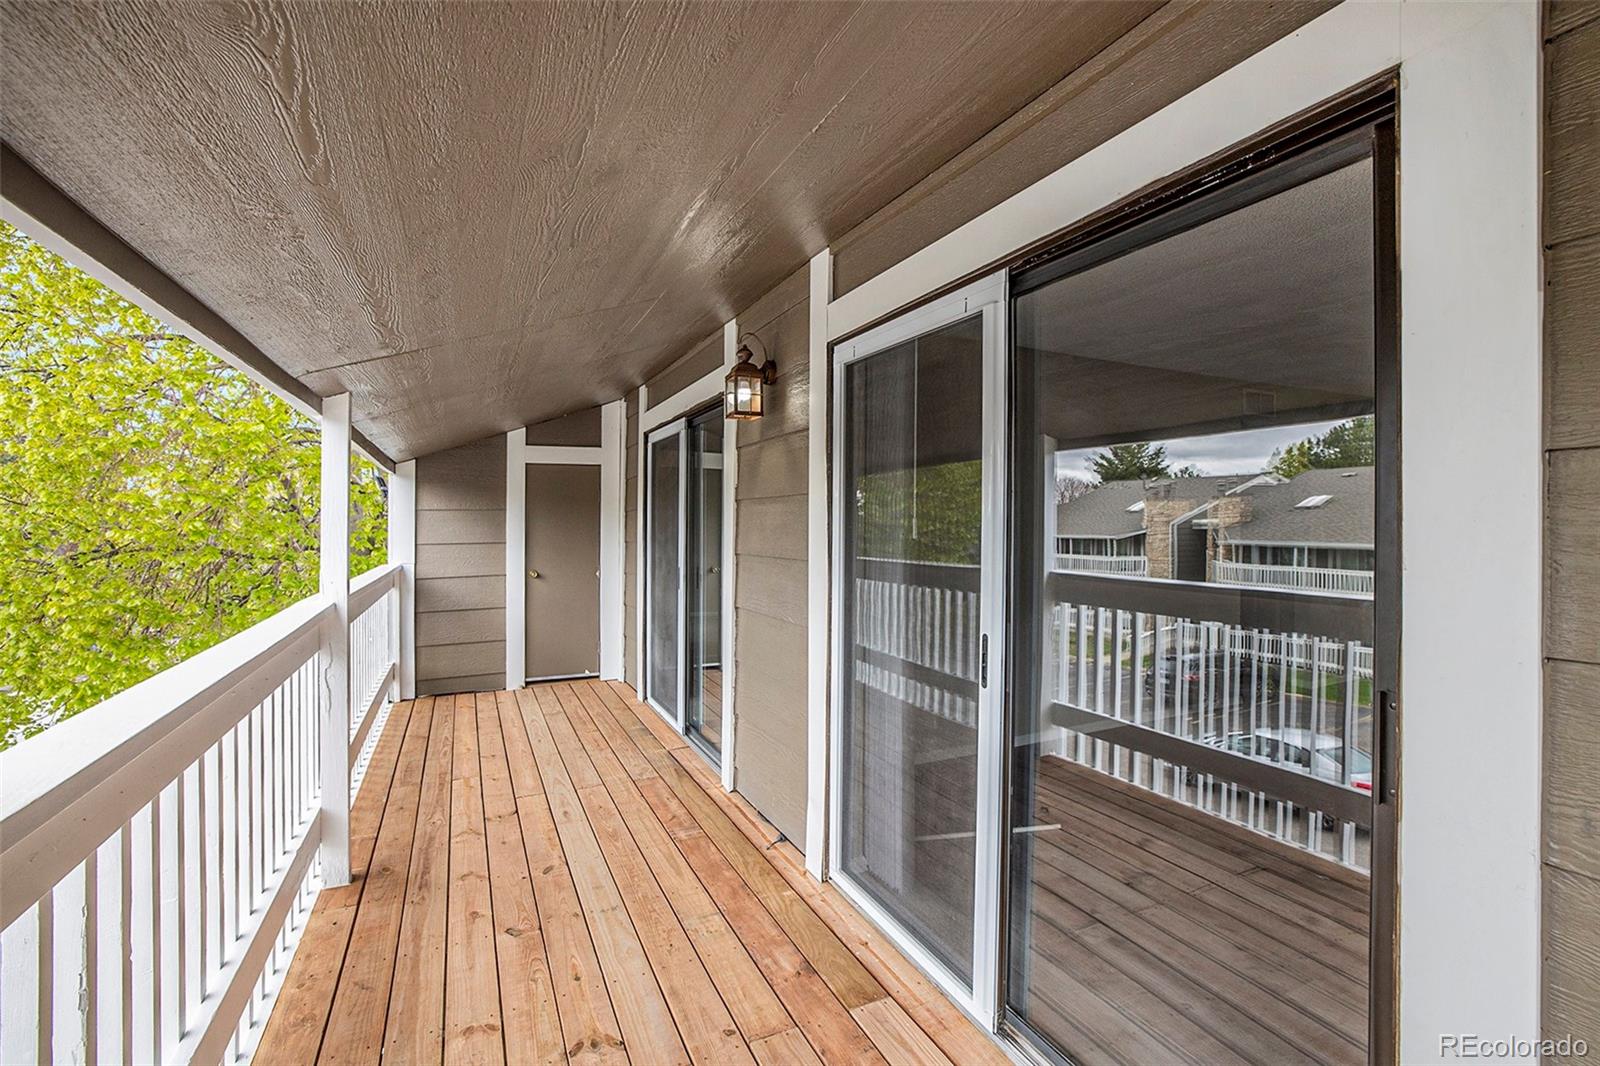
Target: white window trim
[(818, 571), (730, 560), (1470, 278)]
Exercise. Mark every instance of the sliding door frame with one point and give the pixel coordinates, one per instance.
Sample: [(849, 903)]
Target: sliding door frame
[(673, 429), (988, 296), (1360, 124), (679, 428)]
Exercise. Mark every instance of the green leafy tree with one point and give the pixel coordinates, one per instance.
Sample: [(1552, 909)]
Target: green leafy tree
[(1347, 444), (153, 501), (1131, 462), (933, 514)]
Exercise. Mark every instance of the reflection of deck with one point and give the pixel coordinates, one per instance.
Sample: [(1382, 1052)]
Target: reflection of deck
[(550, 876), (1173, 937)]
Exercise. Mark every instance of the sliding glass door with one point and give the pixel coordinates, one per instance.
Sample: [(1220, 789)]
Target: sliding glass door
[(1204, 456), (1161, 843), (916, 487), (683, 584)]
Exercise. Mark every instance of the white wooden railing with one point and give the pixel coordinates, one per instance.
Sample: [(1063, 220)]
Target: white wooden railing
[(1132, 565), (1302, 578), (159, 852)]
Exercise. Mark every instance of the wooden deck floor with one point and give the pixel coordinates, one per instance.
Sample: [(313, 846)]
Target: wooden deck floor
[(552, 876), (1164, 935)]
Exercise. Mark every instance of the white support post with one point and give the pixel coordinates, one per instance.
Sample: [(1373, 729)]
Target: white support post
[(403, 550), (730, 517), (613, 509), (817, 571), (516, 557), (334, 741)]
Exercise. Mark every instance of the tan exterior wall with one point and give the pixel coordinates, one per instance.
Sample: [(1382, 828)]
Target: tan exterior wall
[(770, 603), (461, 566), (1571, 883)]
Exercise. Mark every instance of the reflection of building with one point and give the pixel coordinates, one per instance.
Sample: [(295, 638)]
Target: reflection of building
[(1312, 532)]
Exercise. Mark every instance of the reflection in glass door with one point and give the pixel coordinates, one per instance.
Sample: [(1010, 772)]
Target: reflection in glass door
[(915, 490), (1204, 493), (683, 586)]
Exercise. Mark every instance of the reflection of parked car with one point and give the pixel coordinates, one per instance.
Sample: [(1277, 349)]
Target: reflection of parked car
[(1193, 663), (1314, 753)]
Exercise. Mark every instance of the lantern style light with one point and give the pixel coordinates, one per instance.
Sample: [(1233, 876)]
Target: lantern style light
[(744, 390)]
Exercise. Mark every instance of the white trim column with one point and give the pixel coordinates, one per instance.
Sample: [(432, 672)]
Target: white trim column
[(613, 530), (730, 518), (334, 569), (403, 551), (817, 572), (516, 557), (638, 550)]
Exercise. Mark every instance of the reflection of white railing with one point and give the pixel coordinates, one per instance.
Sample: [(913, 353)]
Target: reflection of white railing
[(160, 849), (916, 634), (1132, 565), (1299, 702), (1245, 691), (1300, 578)]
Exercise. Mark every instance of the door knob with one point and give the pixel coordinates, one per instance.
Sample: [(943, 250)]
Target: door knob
[(533, 573)]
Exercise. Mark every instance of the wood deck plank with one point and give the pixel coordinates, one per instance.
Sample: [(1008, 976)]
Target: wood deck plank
[(472, 1031), (648, 1028), (361, 1003), (754, 1006), (527, 993), (414, 1029), (785, 1048), (821, 946), (589, 1025)]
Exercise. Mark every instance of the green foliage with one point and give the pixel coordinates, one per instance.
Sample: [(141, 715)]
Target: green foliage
[(1131, 462), (153, 501), (1347, 444), (932, 515)]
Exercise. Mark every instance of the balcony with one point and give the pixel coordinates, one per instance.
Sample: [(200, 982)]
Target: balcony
[(1126, 565), (1297, 578), (540, 876)]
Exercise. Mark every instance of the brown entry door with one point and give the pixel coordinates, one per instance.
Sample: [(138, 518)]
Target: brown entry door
[(563, 578)]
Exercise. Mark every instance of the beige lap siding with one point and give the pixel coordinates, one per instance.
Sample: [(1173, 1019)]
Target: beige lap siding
[(1570, 996), (770, 609), (461, 553)]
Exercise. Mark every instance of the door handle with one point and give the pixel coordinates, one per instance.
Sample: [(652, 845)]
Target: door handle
[(533, 573)]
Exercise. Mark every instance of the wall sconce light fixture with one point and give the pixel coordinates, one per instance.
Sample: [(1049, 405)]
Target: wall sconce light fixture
[(744, 390)]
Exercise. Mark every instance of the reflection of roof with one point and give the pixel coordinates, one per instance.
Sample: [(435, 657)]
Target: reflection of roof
[(1103, 511), (1345, 518)]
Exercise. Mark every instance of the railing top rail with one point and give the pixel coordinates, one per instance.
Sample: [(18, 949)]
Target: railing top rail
[(369, 588), (118, 749)]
